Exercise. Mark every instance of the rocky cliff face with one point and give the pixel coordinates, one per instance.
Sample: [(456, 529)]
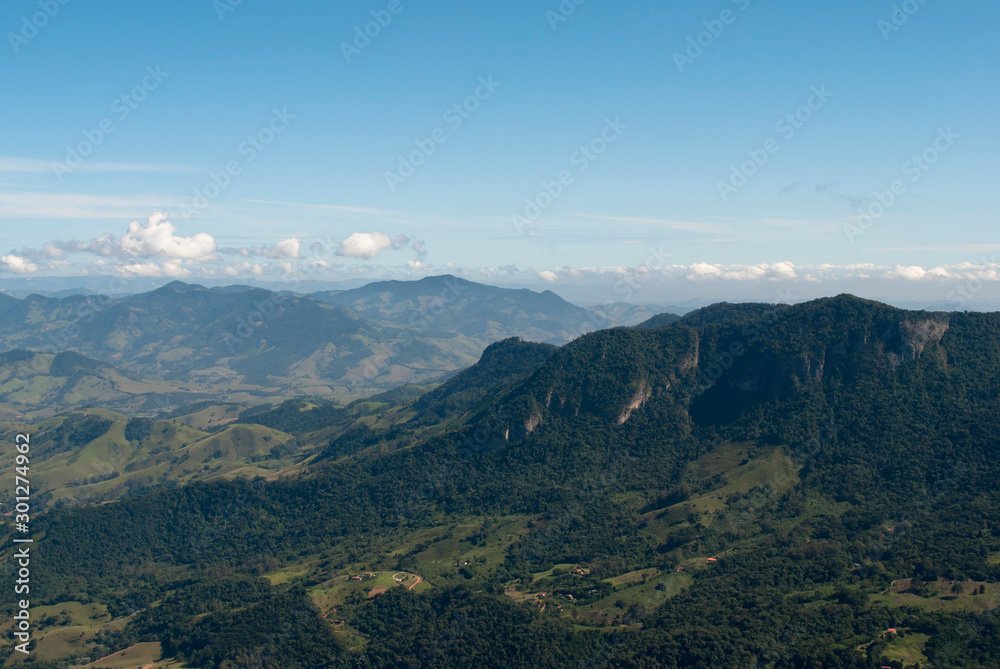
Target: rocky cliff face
[(721, 368), (641, 397), (919, 335)]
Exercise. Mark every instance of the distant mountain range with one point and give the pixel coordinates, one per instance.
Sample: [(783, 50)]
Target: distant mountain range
[(256, 342)]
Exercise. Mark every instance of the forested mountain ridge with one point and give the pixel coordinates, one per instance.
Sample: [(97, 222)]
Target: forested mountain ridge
[(768, 488)]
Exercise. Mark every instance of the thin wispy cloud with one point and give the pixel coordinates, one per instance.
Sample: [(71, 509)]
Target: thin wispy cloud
[(388, 216), (40, 204), (14, 165), (331, 207), (686, 226), (969, 247)]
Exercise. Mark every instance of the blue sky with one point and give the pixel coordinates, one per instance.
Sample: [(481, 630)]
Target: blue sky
[(201, 77)]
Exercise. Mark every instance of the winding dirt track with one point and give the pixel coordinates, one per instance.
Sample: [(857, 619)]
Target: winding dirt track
[(412, 585)]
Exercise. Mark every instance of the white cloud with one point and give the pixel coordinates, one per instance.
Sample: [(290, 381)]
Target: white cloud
[(168, 268), (784, 271), (503, 271), (364, 245), (701, 270), (367, 245), (420, 248), (17, 264), (548, 275), (912, 273), (49, 251), (780, 270), (243, 269), (288, 248), (157, 238)]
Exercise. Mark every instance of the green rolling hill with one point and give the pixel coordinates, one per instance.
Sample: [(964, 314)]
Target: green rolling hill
[(95, 455), (36, 384)]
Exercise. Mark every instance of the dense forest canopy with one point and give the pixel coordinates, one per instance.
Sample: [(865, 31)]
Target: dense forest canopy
[(748, 486)]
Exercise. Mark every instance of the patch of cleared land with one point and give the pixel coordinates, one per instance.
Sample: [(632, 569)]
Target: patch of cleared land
[(941, 595), (140, 656)]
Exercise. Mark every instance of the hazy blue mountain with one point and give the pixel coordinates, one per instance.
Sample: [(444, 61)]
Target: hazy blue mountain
[(441, 306), (242, 341)]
